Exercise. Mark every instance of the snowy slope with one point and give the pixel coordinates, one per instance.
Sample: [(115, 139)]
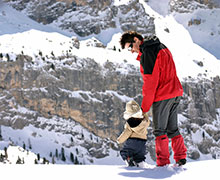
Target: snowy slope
[(15, 152), (205, 33), (12, 21), (202, 170), (46, 142)]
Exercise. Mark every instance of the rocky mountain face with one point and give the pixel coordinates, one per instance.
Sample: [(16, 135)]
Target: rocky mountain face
[(85, 18), (97, 102), (198, 105), (185, 6), (83, 91)]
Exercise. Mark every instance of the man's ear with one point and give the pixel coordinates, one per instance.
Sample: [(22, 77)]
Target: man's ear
[(136, 39)]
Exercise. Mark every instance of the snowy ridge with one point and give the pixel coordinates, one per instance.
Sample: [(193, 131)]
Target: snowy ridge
[(191, 55)]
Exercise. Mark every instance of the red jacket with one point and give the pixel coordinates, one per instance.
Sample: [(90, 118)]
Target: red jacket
[(160, 81)]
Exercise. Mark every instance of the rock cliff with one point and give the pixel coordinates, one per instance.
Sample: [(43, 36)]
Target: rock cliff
[(83, 91), (85, 18)]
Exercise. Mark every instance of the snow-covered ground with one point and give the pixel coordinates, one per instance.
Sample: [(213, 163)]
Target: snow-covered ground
[(20, 34), (201, 170)]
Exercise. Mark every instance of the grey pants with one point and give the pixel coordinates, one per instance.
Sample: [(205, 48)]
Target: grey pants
[(165, 117)]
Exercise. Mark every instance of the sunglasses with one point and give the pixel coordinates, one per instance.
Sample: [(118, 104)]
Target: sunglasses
[(131, 45)]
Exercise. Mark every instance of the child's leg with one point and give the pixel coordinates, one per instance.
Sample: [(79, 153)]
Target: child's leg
[(140, 150), (127, 152)]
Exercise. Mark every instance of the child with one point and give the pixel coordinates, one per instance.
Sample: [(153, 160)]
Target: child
[(134, 135)]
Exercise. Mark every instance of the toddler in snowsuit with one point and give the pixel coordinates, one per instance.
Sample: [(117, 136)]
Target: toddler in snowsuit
[(134, 135)]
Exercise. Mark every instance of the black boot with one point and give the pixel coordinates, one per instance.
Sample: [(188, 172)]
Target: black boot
[(130, 162), (181, 162)]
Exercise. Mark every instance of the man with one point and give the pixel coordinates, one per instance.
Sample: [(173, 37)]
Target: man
[(162, 90)]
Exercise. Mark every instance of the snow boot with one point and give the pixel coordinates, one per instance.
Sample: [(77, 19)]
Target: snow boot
[(162, 150), (179, 149), (129, 162), (181, 162)]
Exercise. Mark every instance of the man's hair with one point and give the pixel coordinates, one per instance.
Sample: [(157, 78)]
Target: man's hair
[(128, 37)]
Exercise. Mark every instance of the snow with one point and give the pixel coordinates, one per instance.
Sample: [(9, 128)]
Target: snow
[(197, 136), (13, 22), (206, 34), (160, 6), (121, 2), (201, 170)]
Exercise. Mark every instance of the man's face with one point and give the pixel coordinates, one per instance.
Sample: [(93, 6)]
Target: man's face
[(134, 46)]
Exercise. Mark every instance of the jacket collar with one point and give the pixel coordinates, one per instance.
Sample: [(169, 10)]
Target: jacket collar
[(149, 42)]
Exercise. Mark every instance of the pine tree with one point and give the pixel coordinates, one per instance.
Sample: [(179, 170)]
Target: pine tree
[(63, 158), (56, 153), (52, 54), (76, 160), (29, 144), (40, 53), (82, 136), (7, 57), (53, 160), (24, 146), (77, 151), (52, 66), (203, 135), (0, 134), (19, 160), (71, 139), (38, 157), (6, 153), (1, 157), (44, 160), (72, 157)]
